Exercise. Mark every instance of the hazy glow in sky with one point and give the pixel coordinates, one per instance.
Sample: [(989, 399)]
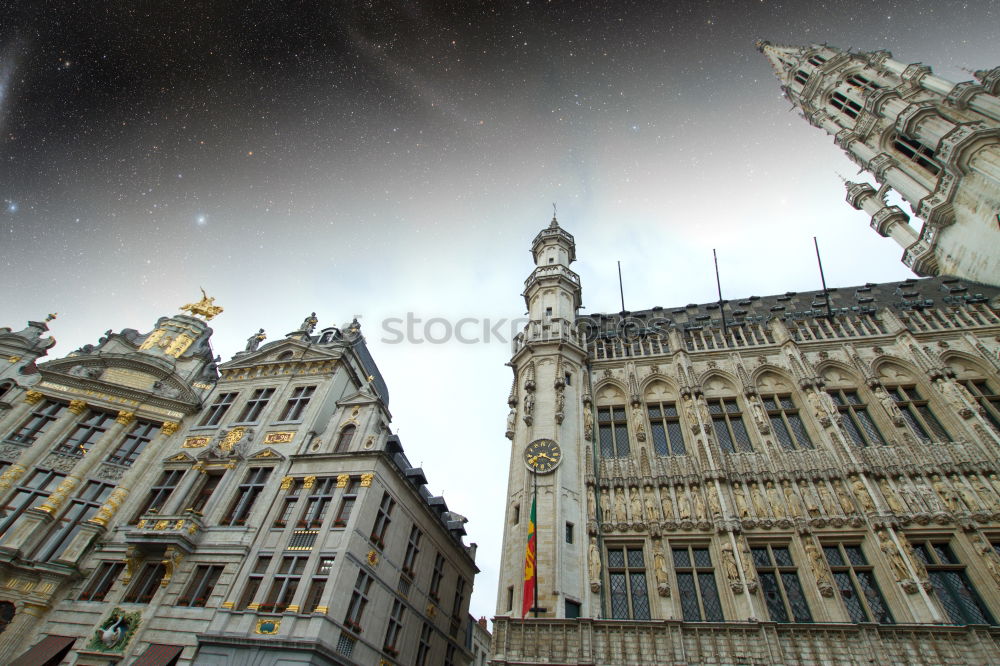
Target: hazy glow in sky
[(381, 158)]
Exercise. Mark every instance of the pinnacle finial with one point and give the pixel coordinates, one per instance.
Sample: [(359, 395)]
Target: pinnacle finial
[(51, 316), (555, 222)]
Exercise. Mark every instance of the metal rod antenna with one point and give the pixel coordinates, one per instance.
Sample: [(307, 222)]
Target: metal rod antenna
[(826, 292), (718, 286), (621, 289)]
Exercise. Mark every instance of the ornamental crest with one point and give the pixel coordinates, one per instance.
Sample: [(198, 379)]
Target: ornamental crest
[(114, 634)]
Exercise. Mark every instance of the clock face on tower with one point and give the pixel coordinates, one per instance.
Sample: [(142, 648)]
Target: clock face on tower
[(542, 455)]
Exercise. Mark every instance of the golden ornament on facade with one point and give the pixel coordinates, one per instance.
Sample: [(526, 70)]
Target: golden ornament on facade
[(267, 625), (77, 407), (54, 500), (286, 482), (161, 525), (278, 437), (343, 480), (308, 482), (169, 427), (372, 557), (366, 480), (205, 308), (124, 418), (33, 397), (10, 475), (195, 442), (232, 438)]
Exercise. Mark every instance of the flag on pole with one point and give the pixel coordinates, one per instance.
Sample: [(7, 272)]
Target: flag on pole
[(529, 565)]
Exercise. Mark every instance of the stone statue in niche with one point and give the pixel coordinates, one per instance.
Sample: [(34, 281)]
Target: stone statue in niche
[(660, 568), (594, 562)]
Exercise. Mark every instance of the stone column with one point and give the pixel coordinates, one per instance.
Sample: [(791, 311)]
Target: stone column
[(42, 445)]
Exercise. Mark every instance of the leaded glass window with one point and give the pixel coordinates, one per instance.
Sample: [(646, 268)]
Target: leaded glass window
[(696, 584), (255, 405), (786, 423), (627, 578), (779, 580), (285, 581), (218, 409), (86, 433), (855, 580), (952, 586), (37, 422), (612, 428), (918, 414), (665, 428), (727, 421), (987, 399), (855, 418)]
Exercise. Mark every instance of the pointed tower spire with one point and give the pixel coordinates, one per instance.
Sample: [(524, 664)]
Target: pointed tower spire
[(901, 124)]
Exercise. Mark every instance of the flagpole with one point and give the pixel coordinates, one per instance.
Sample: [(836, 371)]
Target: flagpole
[(534, 502)]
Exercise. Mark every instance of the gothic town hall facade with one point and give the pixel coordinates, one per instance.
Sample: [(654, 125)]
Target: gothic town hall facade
[(804, 478)]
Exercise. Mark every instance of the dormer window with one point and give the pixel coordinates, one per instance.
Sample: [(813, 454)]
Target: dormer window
[(917, 152), (845, 105), (801, 76), (816, 60)]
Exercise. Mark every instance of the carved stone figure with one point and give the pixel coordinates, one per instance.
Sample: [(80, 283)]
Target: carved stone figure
[(591, 504), (692, 416), (660, 568), (819, 568), (635, 504), (529, 406), (713, 502), (965, 493), (890, 497), (829, 506), (511, 422), (889, 405), (777, 506), (948, 496), (886, 545), (990, 557), (683, 503), (861, 492), (621, 515), (845, 501), (729, 564), (906, 497), (594, 561), (605, 504), (741, 500), (309, 323), (560, 405), (758, 500), (588, 423), (666, 503), (699, 502), (793, 501), (253, 342), (651, 511), (812, 507), (639, 423), (987, 496)]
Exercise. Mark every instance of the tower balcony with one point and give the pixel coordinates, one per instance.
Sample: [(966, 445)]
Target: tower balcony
[(554, 329), (549, 272)]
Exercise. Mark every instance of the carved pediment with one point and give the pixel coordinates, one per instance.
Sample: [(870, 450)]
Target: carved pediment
[(121, 374), (267, 454), (179, 458)]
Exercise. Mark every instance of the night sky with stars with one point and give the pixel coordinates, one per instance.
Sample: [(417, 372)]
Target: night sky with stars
[(383, 157)]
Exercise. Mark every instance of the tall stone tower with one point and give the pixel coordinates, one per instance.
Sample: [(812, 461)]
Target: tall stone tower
[(547, 401), (936, 143)]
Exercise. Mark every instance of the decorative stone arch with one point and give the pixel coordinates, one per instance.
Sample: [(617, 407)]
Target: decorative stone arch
[(839, 375), (893, 370), (965, 366), (717, 382), (610, 392), (658, 385), (765, 374)]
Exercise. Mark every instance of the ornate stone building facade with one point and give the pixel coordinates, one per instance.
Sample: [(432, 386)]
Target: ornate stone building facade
[(162, 508), (813, 479), (934, 142)]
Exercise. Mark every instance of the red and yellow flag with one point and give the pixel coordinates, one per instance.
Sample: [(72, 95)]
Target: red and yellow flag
[(529, 565)]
